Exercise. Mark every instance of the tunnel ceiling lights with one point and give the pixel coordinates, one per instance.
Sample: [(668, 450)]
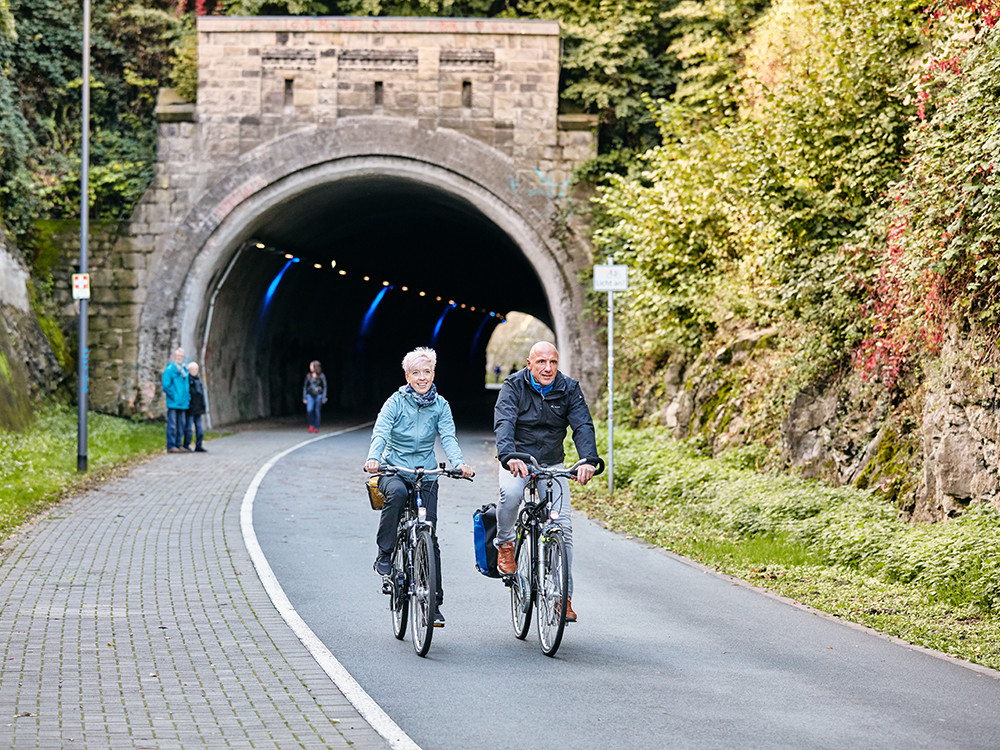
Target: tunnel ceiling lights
[(342, 272)]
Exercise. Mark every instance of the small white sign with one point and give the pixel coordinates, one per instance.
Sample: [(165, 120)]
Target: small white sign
[(81, 286), (611, 278)]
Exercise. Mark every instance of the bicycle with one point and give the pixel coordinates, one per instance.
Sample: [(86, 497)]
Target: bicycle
[(412, 582), (541, 577)]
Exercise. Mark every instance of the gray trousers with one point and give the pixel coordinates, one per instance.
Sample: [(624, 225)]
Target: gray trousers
[(511, 494)]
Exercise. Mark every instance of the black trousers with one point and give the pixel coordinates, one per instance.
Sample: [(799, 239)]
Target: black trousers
[(396, 491)]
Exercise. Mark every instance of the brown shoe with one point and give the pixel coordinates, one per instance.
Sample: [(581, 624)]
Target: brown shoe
[(505, 558), (570, 614)]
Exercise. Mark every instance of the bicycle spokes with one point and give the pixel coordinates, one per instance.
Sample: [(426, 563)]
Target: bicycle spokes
[(553, 592)]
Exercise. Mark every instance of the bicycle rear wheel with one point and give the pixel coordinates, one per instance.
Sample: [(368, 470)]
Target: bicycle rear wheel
[(520, 589), (423, 596), (398, 599), (553, 591)]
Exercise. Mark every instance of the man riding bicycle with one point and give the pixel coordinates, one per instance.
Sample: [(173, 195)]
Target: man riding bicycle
[(534, 408)]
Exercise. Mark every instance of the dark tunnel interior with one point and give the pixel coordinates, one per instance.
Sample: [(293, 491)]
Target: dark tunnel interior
[(304, 287)]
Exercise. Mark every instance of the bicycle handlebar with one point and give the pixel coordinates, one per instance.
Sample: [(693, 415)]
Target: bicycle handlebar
[(534, 468), (420, 471)]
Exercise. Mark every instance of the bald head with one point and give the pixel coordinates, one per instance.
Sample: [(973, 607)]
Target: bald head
[(543, 362)]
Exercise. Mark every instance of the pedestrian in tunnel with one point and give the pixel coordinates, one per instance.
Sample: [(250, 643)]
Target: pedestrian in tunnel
[(195, 411), (314, 394), (404, 435), (178, 395)]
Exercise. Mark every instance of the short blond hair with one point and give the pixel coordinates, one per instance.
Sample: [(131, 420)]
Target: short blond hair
[(420, 353)]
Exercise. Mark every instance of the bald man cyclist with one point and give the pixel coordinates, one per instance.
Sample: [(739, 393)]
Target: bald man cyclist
[(535, 407)]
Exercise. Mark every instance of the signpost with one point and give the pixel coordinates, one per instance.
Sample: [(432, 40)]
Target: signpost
[(82, 292), (611, 278)]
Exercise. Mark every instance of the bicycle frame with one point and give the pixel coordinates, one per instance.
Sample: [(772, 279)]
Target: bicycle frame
[(541, 576), (412, 582)]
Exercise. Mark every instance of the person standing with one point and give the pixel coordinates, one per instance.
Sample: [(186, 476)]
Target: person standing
[(314, 394), (535, 407), (178, 395), (195, 410)]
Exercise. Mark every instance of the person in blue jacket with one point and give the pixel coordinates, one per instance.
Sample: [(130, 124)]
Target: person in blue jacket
[(404, 434), (178, 395), (535, 407)]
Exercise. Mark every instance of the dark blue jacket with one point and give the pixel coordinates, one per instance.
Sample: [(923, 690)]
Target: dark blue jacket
[(196, 407), (527, 422)]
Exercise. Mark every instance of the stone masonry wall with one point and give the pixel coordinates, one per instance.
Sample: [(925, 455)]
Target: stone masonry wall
[(296, 80), (496, 81), (115, 296)]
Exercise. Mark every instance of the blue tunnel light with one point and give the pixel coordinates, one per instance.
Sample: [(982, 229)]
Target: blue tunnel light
[(479, 333), (437, 327), (366, 323), (269, 294)]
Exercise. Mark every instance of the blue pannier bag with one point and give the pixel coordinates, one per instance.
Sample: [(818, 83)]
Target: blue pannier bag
[(484, 531)]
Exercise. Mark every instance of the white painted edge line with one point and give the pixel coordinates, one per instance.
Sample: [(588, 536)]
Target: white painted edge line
[(370, 710)]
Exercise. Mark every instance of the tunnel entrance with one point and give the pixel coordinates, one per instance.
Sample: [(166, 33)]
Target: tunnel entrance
[(355, 272), (426, 153)]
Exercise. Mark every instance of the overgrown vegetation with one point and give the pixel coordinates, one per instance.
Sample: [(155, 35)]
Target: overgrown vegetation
[(40, 107), (841, 550), (845, 165), (38, 466), (826, 173)]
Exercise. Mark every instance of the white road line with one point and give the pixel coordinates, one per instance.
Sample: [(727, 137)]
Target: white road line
[(366, 706)]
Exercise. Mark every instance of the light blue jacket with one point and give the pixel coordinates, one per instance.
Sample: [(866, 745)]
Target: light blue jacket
[(404, 432), (175, 386)]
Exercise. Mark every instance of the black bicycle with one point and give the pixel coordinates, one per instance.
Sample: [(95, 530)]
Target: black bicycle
[(412, 583), (541, 578)]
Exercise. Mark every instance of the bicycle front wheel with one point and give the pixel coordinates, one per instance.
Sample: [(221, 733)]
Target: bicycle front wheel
[(553, 590), (423, 595), (520, 589), (398, 600)]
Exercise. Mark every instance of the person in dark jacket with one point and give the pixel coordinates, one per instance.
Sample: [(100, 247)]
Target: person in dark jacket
[(195, 410), (535, 407), (314, 394)]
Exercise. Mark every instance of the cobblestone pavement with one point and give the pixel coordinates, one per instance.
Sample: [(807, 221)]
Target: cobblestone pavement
[(131, 617)]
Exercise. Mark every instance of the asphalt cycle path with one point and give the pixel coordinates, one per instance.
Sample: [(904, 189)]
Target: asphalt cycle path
[(665, 655)]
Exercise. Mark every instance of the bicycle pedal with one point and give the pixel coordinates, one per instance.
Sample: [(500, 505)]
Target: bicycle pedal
[(386, 586)]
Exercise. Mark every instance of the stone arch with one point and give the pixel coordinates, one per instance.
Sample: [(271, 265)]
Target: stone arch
[(194, 256)]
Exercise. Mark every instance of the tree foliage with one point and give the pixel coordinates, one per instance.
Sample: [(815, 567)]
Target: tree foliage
[(937, 255), (777, 148), (41, 106)]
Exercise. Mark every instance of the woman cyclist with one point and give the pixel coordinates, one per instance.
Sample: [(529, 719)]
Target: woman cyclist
[(404, 435)]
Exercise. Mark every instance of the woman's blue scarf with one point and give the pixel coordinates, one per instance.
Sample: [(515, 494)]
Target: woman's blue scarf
[(425, 400)]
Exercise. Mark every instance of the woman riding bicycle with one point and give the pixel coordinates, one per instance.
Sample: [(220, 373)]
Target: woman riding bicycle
[(404, 435)]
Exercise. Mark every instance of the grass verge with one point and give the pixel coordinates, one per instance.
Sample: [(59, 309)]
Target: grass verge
[(841, 550), (38, 466)]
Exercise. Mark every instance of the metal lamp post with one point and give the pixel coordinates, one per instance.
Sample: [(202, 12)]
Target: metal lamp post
[(81, 283)]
